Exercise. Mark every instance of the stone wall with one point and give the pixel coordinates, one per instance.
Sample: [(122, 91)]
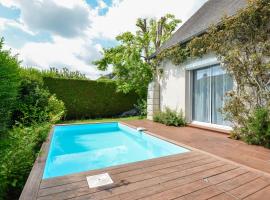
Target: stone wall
[(153, 99)]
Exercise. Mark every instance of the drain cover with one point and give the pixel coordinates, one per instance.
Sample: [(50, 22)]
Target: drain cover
[(99, 180)]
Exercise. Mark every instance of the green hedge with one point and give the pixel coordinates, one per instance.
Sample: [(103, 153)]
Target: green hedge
[(90, 99)]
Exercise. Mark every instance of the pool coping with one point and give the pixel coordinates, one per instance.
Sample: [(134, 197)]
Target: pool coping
[(32, 185)]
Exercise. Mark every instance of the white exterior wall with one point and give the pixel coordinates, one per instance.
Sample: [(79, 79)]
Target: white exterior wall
[(172, 87), (205, 61), (175, 87), (176, 84)]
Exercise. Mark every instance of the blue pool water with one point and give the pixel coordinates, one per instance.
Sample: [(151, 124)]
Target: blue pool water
[(77, 148)]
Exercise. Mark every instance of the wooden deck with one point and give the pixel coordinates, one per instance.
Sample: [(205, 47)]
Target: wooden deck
[(212, 142), (193, 175)]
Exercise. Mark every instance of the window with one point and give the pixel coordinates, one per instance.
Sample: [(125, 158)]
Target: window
[(209, 87)]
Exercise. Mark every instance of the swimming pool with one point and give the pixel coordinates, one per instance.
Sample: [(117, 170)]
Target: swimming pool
[(78, 148)]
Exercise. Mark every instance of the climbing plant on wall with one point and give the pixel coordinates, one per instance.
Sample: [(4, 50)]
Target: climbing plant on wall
[(242, 44)]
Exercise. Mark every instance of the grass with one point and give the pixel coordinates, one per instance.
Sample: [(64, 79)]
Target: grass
[(99, 120)]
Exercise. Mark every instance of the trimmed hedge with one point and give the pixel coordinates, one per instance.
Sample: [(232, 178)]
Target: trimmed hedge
[(90, 99)]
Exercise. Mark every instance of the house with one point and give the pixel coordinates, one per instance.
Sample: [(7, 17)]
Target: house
[(198, 86)]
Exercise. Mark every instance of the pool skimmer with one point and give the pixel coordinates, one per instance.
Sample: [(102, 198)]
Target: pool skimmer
[(141, 129), (99, 180)]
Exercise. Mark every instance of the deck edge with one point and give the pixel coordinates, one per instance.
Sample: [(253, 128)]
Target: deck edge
[(31, 187)]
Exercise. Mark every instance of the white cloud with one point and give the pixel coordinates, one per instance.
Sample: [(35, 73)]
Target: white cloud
[(68, 18), (122, 15), (6, 23), (71, 3), (9, 3), (72, 53), (2, 24), (74, 26)]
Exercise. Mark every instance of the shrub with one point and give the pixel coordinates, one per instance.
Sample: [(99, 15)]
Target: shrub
[(63, 73), (90, 99), (56, 109), (18, 153), (28, 107), (257, 130), (141, 106), (9, 81), (35, 110), (35, 104), (170, 118)]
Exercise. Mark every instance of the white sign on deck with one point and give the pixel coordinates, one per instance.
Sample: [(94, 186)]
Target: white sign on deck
[(99, 180)]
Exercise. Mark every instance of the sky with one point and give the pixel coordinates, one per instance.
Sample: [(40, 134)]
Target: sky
[(72, 33)]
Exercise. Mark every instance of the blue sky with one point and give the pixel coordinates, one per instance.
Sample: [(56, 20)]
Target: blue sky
[(72, 33)]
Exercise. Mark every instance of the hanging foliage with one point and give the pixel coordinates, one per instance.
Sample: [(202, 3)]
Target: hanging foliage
[(242, 44), (176, 54)]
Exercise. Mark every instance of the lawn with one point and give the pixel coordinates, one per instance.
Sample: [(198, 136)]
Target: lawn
[(99, 120)]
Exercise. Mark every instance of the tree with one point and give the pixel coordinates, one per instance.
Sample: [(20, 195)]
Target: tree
[(63, 73), (9, 82), (131, 59)]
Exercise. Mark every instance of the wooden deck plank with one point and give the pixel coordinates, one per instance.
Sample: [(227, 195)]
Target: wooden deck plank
[(179, 191), (140, 185), (263, 194), (226, 176), (188, 179), (237, 181), (143, 172), (156, 190), (187, 161), (139, 181), (202, 194), (223, 196), (114, 170), (209, 141), (249, 188), (169, 171)]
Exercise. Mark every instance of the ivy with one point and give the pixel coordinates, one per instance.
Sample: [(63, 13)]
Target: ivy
[(176, 54), (242, 43)]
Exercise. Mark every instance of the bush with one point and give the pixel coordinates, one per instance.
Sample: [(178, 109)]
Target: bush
[(170, 118), (18, 153), (35, 110), (56, 109), (63, 73), (9, 81), (90, 99), (30, 109), (34, 103), (141, 106), (257, 130)]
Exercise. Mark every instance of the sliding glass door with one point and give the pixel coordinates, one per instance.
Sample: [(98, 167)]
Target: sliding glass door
[(202, 95), (209, 87)]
